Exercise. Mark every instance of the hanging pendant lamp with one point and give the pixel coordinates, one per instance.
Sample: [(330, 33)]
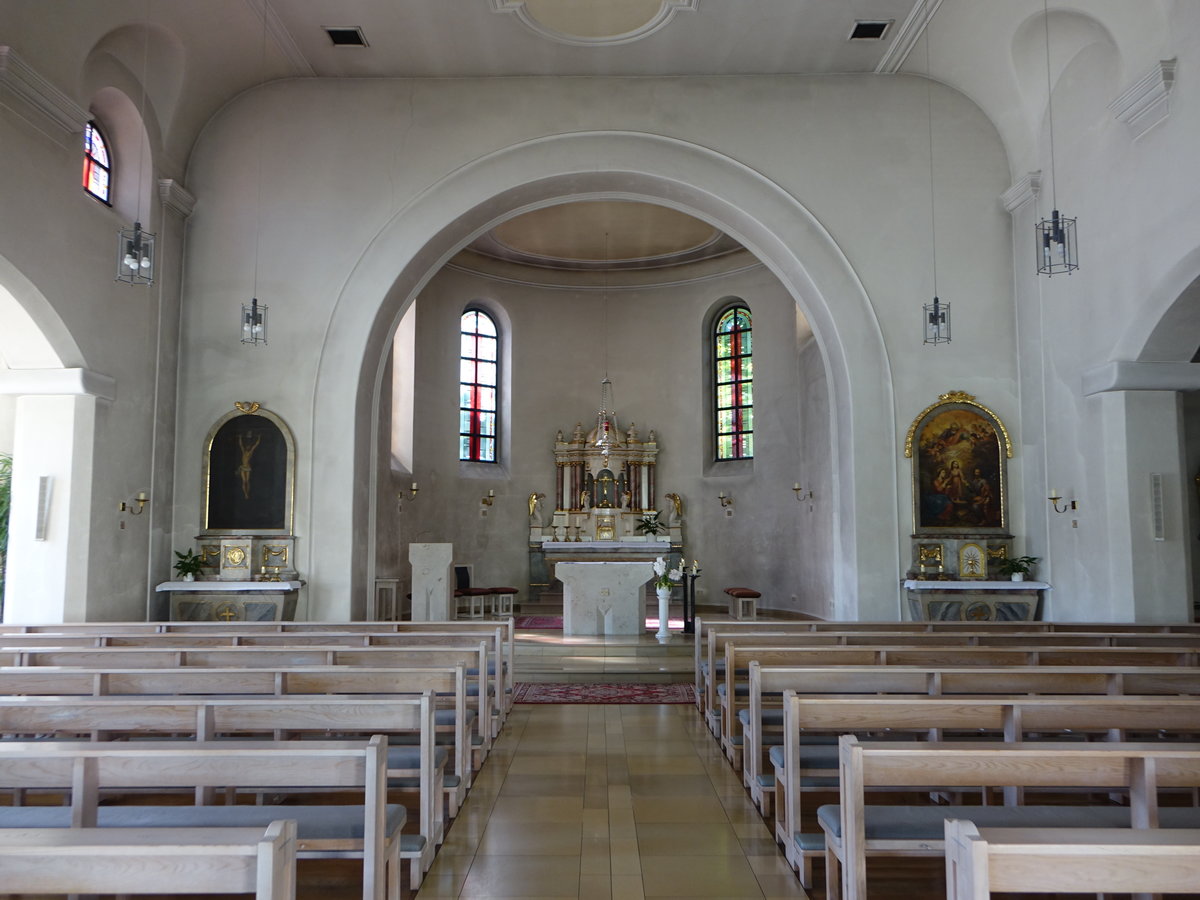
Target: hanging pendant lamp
[(135, 247), (1057, 252)]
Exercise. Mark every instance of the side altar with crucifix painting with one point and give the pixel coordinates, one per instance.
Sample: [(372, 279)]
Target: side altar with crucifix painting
[(605, 508), (246, 545)]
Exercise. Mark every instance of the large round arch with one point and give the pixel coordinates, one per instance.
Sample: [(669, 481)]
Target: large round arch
[(427, 232)]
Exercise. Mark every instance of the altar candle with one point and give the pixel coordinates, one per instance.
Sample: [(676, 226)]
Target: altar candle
[(414, 486)]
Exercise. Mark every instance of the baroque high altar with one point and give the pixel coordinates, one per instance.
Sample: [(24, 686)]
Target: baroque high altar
[(602, 494)]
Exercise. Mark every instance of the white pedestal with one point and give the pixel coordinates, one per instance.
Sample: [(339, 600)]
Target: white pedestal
[(604, 597), (432, 582)]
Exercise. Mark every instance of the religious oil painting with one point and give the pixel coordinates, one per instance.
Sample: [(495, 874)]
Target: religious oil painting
[(248, 475), (959, 450)]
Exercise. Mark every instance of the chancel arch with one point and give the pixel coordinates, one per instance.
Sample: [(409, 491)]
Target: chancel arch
[(772, 224)]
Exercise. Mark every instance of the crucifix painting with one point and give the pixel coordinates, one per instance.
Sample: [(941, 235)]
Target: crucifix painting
[(247, 476)]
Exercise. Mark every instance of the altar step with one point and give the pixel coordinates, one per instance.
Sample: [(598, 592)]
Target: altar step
[(549, 656)]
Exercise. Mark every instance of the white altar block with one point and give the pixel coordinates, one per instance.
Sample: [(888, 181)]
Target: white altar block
[(604, 597), (432, 582)]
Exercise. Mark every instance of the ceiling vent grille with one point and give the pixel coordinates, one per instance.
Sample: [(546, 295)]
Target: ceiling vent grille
[(870, 30), (346, 35)]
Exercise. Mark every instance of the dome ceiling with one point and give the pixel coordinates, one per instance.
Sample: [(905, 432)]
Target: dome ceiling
[(583, 235)]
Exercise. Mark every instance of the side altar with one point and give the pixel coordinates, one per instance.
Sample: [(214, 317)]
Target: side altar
[(606, 506)]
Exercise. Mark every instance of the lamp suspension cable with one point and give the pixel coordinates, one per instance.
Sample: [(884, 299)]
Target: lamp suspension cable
[(254, 314), (135, 247), (1056, 245), (936, 315)]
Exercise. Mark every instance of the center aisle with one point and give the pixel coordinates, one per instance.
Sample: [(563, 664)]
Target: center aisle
[(608, 801)]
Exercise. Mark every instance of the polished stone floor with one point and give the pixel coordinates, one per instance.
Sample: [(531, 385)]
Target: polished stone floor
[(608, 802)]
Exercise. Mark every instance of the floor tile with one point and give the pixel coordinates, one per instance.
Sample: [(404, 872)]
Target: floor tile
[(522, 876), (531, 839), (699, 876)]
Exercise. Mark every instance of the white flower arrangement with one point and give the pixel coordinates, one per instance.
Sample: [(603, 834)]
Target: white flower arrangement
[(666, 577)]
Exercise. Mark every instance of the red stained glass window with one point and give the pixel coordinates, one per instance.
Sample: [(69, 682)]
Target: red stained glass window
[(97, 169), (733, 386), (478, 411)]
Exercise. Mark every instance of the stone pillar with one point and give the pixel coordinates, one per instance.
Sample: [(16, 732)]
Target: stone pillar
[(432, 582)]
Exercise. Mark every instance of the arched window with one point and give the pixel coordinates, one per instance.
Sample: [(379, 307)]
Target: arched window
[(97, 169), (478, 370), (733, 383)]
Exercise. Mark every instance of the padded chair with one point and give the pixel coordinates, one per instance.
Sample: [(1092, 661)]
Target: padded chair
[(472, 598)]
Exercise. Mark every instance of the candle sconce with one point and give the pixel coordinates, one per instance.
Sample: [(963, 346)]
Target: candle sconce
[(400, 498), (141, 499), (487, 501), (801, 493), (1054, 499), (726, 500)]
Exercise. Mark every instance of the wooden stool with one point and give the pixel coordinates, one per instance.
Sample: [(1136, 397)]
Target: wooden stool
[(743, 602), (502, 600)]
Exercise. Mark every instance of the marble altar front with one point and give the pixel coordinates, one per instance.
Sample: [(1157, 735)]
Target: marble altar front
[(232, 601), (604, 597)]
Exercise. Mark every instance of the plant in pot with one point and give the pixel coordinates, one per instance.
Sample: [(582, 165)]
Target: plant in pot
[(1017, 567), (650, 525), (188, 565)]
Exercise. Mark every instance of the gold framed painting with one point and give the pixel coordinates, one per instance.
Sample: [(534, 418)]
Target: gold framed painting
[(959, 450)]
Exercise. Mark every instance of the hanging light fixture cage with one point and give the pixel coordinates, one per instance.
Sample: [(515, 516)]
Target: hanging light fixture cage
[(1056, 247), (135, 255), (937, 322), (606, 420), (254, 323)]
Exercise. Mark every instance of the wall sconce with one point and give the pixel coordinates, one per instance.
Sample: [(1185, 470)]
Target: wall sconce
[(487, 501), (141, 499), (726, 501), (801, 494), (412, 495), (1055, 497)]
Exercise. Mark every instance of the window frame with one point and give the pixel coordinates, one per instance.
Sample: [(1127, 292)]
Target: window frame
[(90, 161), (737, 380), (476, 435)]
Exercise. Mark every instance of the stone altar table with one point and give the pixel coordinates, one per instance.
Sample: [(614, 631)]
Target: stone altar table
[(232, 601), (975, 601), (604, 597)]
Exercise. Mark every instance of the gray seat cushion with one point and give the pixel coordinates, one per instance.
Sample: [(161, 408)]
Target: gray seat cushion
[(769, 717), (312, 822), (813, 756), (405, 757), (925, 823)]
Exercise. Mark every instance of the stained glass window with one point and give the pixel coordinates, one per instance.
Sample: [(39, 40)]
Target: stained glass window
[(478, 370), (97, 170), (733, 384)]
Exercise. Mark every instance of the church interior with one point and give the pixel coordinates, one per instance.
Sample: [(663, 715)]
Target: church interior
[(865, 312)]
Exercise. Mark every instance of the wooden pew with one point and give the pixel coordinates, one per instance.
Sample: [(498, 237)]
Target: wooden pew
[(1009, 719), (448, 685), (1141, 770), (151, 860), (918, 653), (471, 656), (1138, 861), (206, 718), (770, 679), (369, 830)]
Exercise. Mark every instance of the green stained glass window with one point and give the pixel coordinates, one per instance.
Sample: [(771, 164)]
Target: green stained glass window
[(479, 368), (733, 387)]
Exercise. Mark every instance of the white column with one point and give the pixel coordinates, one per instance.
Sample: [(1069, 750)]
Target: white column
[(46, 579)]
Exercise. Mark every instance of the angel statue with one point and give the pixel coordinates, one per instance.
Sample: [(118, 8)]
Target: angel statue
[(674, 512), (535, 507)]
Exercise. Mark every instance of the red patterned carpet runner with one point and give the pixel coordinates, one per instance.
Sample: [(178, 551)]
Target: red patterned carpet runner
[(560, 692), (554, 623)]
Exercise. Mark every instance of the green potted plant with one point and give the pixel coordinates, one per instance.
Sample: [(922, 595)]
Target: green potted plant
[(1017, 567), (188, 565), (649, 525)]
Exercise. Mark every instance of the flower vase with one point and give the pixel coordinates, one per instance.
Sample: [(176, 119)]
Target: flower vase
[(189, 577), (1018, 576), (664, 613)]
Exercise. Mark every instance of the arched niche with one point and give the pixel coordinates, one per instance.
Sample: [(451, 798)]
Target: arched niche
[(768, 221)]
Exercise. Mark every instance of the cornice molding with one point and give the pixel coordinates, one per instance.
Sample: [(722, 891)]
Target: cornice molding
[(1146, 102), (907, 35), (1130, 375), (175, 197), (1022, 191), (666, 12), (19, 81), (69, 382)]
